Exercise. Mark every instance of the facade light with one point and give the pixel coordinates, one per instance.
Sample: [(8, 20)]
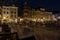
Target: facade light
[(21, 19), (42, 20), (16, 20), (34, 20), (4, 17)]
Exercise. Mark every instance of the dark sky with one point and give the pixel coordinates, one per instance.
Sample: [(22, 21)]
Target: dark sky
[(48, 4), (51, 5)]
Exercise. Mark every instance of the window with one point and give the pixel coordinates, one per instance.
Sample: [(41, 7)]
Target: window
[(4, 12), (12, 12), (15, 16), (7, 12), (15, 12), (0, 12)]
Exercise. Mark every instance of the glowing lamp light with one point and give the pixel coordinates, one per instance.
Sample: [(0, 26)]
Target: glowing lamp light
[(4, 17), (42, 20), (21, 19), (15, 20), (34, 20), (38, 20), (11, 20)]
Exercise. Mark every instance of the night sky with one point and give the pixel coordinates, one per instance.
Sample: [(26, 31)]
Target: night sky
[(52, 5)]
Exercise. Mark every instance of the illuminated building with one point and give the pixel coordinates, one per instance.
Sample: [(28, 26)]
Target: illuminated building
[(33, 14), (5, 13), (42, 14), (9, 12), (14, 12)]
